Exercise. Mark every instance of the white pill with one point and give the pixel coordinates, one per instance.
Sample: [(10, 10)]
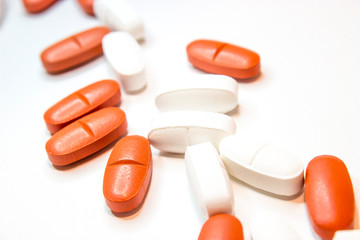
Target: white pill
[(263, 166), (208, 180), (119, 16), (200, 92), (124, 55), (174, 131), (347, 235), (271, 226)]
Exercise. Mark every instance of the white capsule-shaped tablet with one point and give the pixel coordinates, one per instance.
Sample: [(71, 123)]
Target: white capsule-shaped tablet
[(125, 57), (208, 179), (174, 131), (347, 235), (271, 226), (119, 16), (263, 166), (200, 92)]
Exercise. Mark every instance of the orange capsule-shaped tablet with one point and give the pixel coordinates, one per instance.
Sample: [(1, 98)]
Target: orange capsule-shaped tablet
[(127, 174), (87, 6), (223, 58), (222, 227), (86, 136), (36, 6), (329, 195), (101, 94), (75, 50)]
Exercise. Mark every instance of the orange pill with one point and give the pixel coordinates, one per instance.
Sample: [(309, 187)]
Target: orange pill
[(36, 6), (74, 51), (222, 227), (87, 6), (223, 58), (329, 196), (127, 174), (86, 136), (101, 94)]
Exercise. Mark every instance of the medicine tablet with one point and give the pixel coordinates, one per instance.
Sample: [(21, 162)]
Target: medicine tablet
[(347, 235), (37, 6), (127, 174), (263, 166), (174, 131), (119, 16), (74, 51), (223, 58), (222, 227), (329, 196), (208, 179), (125, 57), (87, 6), (86, 136), (202, 92), (101, 94)]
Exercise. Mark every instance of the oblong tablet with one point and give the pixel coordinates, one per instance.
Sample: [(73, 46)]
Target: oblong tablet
[(87, 6), (261, 165), (174, 131), (347, 235), (101, 94), (86, 136), (329, 196), (223, 58), (222, 227), (127, 174), (205, 92), (208, 179), (120, 16), (74, 51), (37, 6), (124, 55)]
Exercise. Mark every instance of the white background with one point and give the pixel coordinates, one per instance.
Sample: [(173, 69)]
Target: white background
[(306, 101)]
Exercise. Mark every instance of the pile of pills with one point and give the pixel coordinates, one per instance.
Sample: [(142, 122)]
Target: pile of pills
[(192, 121)]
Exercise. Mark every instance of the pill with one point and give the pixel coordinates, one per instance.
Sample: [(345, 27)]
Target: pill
[(209, 181), (101, 94), (205, 92), (125, 57), (37, 6), (127, 174), (174, 131), (329, 196), (223, 58), (222, 227), (261, 165), (87, 6), (74, 51), (347, 235), (118, 15), (86, 136)]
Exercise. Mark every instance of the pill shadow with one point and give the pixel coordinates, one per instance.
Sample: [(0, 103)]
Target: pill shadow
[(235, 112), (255, 78), (179, 156)]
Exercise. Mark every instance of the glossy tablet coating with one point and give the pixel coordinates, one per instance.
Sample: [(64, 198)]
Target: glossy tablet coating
[(208, 179), (125, 57), (222, 227), (174, 131), (263, 166), (329, 196), (37, 6), (203, 92), (127, 174), (87, 6), (223, 58), (86, 136), (347, 235), (101, 94), (73, 51), (119, 16)]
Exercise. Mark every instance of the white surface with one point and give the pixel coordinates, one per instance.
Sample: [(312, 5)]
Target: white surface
[(173, 131), (347, 235), (200, 92), (306, 101), (125, 56), (208, 179), (264, 166)]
